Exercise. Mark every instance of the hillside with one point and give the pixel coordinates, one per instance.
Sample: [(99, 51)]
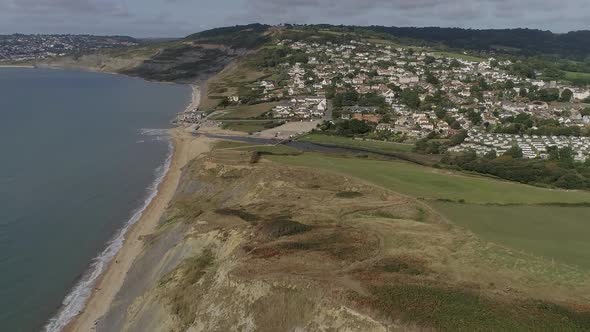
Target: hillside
[(265, 247), (194, 58), (267, 238), (527, 42), (200, 54)]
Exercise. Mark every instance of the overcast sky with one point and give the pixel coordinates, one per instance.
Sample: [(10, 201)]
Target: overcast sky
[(177, 18)]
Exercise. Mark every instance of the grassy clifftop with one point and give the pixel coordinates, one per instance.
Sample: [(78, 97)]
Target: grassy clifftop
[(266, 246)]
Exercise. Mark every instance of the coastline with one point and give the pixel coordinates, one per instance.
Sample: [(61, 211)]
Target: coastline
[(185, 148), (106, 285), (195, 98), (18, 66)]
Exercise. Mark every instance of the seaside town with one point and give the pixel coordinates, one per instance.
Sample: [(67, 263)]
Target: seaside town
[(19, 47), (407, 94)]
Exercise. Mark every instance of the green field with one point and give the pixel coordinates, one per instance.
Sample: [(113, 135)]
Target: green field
[(431, 183), (246, 111), (551, 232), (230, 145), (355, 143), (273, 149), (246, 126), (557, 233), (576, 75), (458, 56)]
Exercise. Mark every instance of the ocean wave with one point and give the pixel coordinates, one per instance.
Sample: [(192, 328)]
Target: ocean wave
[(76, 300), (154, 132)]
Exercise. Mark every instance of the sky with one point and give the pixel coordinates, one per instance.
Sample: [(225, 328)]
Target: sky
[(178, 18)]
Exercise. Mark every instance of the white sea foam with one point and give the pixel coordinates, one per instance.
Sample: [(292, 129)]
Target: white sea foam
[(76, 300)]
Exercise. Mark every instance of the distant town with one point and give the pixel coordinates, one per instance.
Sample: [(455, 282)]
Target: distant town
[(19, 47), (407, 94)]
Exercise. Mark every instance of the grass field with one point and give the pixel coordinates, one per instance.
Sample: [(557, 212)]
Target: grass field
[(549, 232), (354, 143), (558, 233), (430, 183), (459, 310), (246, 111), (274, 149), (576, 75), (246, 126), (458, 56), (230, 145)]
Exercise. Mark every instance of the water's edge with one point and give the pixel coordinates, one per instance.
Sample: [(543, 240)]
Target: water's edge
[(77, 298)]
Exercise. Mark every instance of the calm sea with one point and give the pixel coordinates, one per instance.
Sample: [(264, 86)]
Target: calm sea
[(80, 154)]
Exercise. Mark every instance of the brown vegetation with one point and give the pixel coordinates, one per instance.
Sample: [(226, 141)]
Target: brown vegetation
[(277, 247)]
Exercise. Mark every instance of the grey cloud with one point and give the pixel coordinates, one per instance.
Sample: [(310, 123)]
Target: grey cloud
[(491, 13), (51, 7), (180, 17)]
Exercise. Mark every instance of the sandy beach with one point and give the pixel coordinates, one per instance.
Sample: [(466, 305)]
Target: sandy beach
[(186, 147), (195, 99)]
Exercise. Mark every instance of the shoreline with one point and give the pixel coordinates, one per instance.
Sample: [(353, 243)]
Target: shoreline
[(18, 66), (185, 148), (110, 278), (195, 101), (82, 291)]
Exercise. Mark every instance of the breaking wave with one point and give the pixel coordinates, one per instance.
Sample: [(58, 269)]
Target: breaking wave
[(76, 300)]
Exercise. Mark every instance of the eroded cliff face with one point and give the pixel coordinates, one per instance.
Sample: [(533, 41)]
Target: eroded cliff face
[(179, 62), (266, 247)]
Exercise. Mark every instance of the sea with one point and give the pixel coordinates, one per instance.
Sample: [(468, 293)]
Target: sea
[(81, 155)]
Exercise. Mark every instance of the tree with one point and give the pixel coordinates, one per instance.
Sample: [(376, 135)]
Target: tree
[(394, 87), (458, 138), (429, 59), (430, 78), (514, 152), (566, 156), (411, 98), (386, 118), (224, 102), (455, 125), (441, 113), (566, 96), (553, 153), (548, 95), (474, 117), (523, 93), (491, 155)]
